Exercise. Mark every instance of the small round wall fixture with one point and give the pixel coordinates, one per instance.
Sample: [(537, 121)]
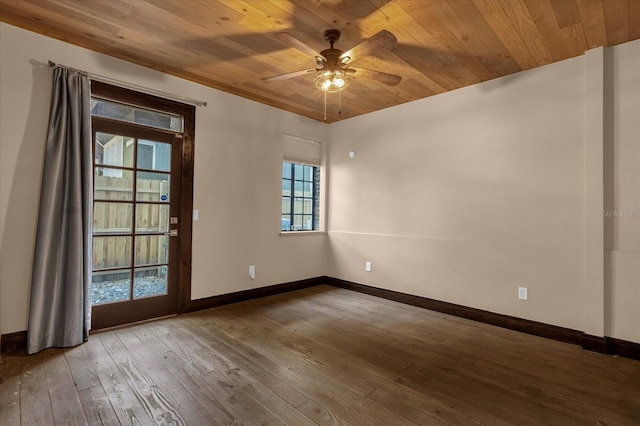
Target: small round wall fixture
[(352, 154)]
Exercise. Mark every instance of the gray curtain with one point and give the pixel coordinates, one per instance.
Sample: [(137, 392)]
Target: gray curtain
[(60, 308)]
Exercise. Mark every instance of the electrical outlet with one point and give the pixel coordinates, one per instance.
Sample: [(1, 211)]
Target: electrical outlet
[(367, 266), (523, 293), (252, 271)]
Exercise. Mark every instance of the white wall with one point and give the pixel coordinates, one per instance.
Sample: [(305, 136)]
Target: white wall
[(239, 212), (465, 196)]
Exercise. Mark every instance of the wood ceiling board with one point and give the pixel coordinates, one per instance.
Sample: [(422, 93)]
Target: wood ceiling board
[(499, 21), (520, 16), (592, 18), (544, 18), (474, 23), (425, 12), (566, 12), (574, 39), (616, 17), (419, 48), (230, 45), (634, 19)]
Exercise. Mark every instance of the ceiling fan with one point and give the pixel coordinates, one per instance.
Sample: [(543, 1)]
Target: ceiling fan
[(333, 70)]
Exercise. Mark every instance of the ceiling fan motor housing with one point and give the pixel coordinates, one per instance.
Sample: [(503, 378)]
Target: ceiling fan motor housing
[(332, 35)]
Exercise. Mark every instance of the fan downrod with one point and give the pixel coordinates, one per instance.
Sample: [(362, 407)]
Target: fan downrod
[(332, 36)]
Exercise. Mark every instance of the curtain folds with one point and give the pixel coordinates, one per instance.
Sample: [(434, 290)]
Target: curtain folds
[(60, 306)]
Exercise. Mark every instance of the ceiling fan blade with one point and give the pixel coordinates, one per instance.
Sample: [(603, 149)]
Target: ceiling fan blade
[(380, 40), (288, 75), (294, 42), (379, 76)]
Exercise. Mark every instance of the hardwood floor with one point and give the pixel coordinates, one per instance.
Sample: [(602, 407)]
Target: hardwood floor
[(322, 355)]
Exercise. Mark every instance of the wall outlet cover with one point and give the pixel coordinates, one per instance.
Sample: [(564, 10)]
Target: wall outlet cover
[(523, 293)]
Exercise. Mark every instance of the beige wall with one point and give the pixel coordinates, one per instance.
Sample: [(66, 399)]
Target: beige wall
[(465, 196), (461, 197), (622, 195), (239, 213)]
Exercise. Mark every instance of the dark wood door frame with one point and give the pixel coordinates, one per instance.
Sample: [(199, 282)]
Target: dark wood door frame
[(106, 91)]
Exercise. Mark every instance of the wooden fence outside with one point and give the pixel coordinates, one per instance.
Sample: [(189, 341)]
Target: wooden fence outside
[(109, 218)]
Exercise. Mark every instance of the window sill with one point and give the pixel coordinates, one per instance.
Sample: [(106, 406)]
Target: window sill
[(301, 233)]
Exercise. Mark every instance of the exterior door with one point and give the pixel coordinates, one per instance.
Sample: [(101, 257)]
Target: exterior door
[(137, 172)]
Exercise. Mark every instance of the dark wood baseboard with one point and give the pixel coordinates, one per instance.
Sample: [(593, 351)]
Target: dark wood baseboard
[(255, 293), (623, 348), (17, 342), (606, 345), (594, 343), (14, 343)]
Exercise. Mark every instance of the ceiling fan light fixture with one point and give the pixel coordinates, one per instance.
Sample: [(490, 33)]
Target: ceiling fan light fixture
[(331, 80)]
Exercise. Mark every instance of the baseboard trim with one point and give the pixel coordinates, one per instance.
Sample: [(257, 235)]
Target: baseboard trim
[(605, 345), (254, 293), (594, 343), (623, 348), (17, 342), (14, 343)]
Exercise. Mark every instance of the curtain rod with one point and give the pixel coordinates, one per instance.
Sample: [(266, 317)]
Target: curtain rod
[(132, 86)]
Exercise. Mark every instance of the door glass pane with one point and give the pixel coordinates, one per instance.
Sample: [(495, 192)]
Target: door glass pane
[(151, 281), (114, 150), (152, 218), (111, 252), (153, 187), (112, 218), (112, 184), (110, 286), (135, 114), (154, 155), (152, 249)]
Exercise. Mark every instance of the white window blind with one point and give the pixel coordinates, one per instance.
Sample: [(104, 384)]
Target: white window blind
[(300, 150)]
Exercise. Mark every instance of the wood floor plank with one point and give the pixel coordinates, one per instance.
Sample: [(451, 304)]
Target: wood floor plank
[(177, 392), (122, 397), (247, 370), (82, 371), (261, 340), (322, 398), (321, 355), (561, 383), (97, 407), (157, 402), (9, 390), (34, 392), (65, 403)]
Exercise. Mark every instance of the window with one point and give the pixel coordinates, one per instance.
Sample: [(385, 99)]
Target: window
[(300, 197)]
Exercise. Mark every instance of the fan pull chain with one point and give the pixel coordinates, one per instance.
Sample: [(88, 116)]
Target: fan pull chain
[(325, 105), (340, 102)]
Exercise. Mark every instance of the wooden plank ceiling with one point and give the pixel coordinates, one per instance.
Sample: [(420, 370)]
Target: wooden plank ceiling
[(230, 45)]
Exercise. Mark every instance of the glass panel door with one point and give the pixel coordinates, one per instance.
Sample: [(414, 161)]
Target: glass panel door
[(135, 219)]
